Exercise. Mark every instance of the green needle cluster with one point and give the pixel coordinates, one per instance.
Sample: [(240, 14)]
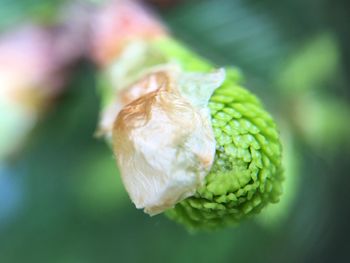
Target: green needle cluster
[(247, 173)]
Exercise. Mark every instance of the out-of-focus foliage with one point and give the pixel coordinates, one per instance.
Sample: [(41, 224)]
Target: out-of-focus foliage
[(62, 199), (311, 65), (17, 11), (306, 81)]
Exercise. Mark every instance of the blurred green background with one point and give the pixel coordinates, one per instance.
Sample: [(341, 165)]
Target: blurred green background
[(62, 200)]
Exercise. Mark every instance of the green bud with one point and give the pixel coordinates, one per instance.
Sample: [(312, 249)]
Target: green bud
[(247, 173)]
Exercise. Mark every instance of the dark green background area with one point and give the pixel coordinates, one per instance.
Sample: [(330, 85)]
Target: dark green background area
[(62, 199)]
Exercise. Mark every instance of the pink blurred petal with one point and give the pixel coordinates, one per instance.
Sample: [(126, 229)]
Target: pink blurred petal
[(116, 23)]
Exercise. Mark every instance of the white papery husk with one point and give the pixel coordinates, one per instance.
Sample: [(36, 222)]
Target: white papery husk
[(163, 139)]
